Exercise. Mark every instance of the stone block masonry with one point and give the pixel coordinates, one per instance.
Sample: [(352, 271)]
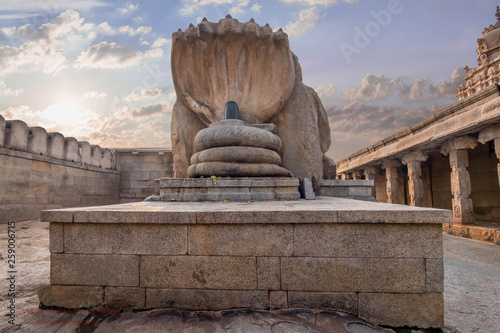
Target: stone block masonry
[(30, 183), (139, 168), (378, 261), (40, 170)]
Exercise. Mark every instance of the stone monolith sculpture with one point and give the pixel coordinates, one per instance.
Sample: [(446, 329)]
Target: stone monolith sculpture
[(235, 148), (214, 63)]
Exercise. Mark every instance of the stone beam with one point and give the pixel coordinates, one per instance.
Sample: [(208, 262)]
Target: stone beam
[(415, 185), (391, 176), (460, 178)]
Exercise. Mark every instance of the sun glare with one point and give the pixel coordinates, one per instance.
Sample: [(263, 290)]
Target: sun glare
[(63, 112)]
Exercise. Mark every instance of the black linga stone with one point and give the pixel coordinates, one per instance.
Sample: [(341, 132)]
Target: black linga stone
[(232, 110)]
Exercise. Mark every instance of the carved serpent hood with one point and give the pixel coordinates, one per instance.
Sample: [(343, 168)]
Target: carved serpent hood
[(232, 61)]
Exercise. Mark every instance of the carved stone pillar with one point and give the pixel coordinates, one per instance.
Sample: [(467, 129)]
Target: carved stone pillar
[(415, 185), (356, 175), (492, 134), (370, 173), (391, 177), (463, 212)]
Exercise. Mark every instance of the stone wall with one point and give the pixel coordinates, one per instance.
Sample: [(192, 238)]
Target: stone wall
[(381, 262), (440, 181), (485, 193), (30, 183), (41, 170), (139, 168), (348, 188)]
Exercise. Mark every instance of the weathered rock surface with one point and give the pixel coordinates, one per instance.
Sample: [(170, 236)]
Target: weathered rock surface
[(305, 134), (235, 148), (231, 61), (243, 62), (224, 169), (223, 136), (297, 320), (329, 168), (237, 154)]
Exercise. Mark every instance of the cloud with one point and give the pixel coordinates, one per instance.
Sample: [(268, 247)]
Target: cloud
[(131, 112), (129, 6), (379, 87), (94, 94), (16, 112), (373, 87), (160, 42), (325, 3), (326, 90), (142, 30), (448, 89), (113, 56), (30, 55), (414, 92), (239, 8), (153, 125), (307, 20), (369, 124), (190, 6), (144, 94), (105, 28), (37, 6), (42, 46), (256, 8), (16, 16), (4, 91), (64, 24)]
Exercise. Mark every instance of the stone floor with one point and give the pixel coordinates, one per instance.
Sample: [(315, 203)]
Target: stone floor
[(472, 299)]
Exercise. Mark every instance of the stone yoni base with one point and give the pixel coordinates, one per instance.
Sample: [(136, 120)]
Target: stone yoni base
[(383, 263), (230, 189)]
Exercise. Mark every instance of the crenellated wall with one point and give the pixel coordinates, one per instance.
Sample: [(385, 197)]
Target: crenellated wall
[(16, 135), (40, 170)]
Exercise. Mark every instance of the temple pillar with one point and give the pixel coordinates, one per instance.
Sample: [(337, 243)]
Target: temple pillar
[(391, 178), (370, 173), (492, 134), (415, 185), (456, 148), (356, 175)]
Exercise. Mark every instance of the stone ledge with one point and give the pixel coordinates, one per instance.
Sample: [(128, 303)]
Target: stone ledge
[(227, 189), (404, 309), (482, 231), (51, 160), (70, 297), (347, 182), (320, 210), (189, 299)]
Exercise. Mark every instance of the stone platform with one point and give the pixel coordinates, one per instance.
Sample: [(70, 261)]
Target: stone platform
[(347, 188), (230, 189), (380, 262)]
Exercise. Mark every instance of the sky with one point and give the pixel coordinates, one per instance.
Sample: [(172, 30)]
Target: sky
[(99, 70)]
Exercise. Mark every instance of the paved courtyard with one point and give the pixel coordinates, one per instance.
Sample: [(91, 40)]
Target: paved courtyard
[(472, 298)]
